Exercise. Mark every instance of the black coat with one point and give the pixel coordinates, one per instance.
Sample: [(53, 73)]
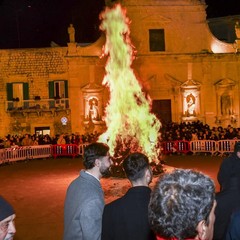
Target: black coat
[(228, 200), (127, 217), (233, 232), (229, 168)]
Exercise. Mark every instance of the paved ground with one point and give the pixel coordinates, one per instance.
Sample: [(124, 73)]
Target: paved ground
[(37, 190)]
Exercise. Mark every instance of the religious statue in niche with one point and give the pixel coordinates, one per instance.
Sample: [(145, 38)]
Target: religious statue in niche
[(93, 109), (191, 106), (237, 30), (226, 105), (71, 32)]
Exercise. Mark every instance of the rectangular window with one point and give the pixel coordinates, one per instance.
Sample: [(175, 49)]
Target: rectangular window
[(156, 40), (17, 92), (58, 90)]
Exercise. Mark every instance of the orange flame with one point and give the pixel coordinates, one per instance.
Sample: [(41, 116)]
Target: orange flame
[(127, 114)]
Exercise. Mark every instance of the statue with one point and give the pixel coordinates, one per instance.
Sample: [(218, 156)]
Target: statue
[(226, 105), (93, 109), (237, 30), (190, 99), (71, 32)]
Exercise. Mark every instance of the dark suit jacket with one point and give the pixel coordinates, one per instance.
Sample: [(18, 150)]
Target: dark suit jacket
[(233, 232), (228, 201), (127, 218)]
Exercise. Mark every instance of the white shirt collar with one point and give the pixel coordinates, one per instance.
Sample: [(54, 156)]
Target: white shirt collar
[(91, 175)]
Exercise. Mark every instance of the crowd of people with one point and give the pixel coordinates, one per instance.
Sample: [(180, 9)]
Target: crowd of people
[(197, 130), (182, 205), (188, 131), (32, 140)]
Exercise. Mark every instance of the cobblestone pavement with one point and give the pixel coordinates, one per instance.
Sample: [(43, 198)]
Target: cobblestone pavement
[(37, 190)]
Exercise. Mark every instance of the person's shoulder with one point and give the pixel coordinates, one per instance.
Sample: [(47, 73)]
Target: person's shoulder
[(114, 204), (229, 158)]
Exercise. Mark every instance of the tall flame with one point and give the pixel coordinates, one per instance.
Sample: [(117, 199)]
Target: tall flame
[(127, 114)]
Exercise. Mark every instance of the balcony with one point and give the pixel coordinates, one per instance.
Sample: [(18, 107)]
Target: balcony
[(38, 106)]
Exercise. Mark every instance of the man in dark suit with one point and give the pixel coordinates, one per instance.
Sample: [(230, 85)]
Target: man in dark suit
[(127, 217)]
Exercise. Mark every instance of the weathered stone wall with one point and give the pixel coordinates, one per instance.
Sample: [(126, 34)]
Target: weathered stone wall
[(35, 67)]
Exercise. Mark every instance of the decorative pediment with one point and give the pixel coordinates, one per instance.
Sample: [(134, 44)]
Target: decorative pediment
[(191, 84), (172, 79), (225, 82), (92, 87)]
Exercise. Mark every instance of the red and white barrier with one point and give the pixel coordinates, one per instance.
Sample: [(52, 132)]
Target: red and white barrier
[(175, 146), (16, 153), (70, 150)]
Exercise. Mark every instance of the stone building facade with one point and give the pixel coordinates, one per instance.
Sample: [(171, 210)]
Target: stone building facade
[(188, 73)]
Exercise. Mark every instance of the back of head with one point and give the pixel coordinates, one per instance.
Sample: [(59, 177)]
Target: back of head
[(6, 209), (237, 147), (92, 152), (135, 165), (179, 201)]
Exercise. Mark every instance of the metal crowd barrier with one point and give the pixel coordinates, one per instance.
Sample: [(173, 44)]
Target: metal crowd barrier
[(2, 156), (45, 151), (226, 146), (16, 153), (175, 146), (199, 146), (203, 146), (81, 148), (70, 150)]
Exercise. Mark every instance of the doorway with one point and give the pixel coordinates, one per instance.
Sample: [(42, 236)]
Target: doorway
[(42, 131), (162, 109)]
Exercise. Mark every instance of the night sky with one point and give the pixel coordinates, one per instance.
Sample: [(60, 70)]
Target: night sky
[(35, 23)]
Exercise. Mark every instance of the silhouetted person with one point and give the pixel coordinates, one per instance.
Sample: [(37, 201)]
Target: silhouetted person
[(230, 167), (228, 201), (127, 217)]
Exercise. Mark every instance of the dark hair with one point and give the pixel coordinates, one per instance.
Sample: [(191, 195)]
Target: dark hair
[(179, 201), (134, 165), (92, 152), (6, 209), (237, 147)]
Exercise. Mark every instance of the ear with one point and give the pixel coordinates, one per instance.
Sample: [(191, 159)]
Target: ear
[(202, 230), (148, 176), (97, 162)]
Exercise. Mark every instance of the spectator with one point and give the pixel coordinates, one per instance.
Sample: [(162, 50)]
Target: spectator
[(228, 200), (182, 206), (84, 201), (27, 141), (230, 167), (127, 217), (230, 134), (61, 139), (7, 215), (2, 143), (233, 232)]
